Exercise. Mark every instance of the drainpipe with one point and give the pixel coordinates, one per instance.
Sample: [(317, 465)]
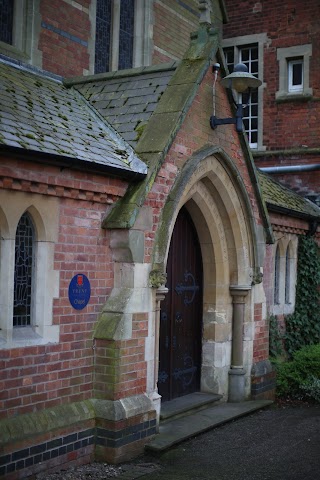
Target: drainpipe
[(291, 168)]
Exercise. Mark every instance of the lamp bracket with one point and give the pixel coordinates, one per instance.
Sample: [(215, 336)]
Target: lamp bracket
[(237, 120)]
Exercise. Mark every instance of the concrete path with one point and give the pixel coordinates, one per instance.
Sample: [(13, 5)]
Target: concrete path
[(270, 444), (180, 429)]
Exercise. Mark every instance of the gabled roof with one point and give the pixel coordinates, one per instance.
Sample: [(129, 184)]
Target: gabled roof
[(283, 200), (41, 117), (126, 98)]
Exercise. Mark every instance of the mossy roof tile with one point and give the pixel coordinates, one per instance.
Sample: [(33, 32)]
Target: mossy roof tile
[(40, 114), (127, 100), (278, 197)]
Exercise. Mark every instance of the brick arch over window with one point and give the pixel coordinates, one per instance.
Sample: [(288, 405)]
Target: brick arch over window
[(211, 190), (20, 211)]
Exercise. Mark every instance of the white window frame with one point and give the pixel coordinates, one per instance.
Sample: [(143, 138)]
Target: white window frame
[(45, 279), (287, 57), (291, 86), (237, 43), (142, 35)]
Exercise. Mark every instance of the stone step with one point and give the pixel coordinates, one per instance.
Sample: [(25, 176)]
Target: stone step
[(187, 405), (180, 429)]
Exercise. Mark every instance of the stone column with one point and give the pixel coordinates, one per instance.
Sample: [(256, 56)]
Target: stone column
[(155, 397), (237, 372)]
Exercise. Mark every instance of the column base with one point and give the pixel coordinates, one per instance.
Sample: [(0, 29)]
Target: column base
[(236, 385), (156, 399)]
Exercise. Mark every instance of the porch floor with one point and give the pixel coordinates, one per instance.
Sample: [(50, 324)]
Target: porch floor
[(175, 429)]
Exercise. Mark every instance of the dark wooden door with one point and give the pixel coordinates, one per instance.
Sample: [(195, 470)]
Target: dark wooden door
[(181, 314)]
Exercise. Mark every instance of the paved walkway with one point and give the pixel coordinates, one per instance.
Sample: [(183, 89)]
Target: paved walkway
[(270, 444)]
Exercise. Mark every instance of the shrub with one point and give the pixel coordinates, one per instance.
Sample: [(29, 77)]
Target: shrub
[(300, 377), (311, 388)]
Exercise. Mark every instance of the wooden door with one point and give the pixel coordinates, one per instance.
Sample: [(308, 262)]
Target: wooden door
[(181, 314)]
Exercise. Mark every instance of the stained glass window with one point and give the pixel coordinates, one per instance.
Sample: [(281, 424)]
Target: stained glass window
[(23, 272), (6, 20), (114, 28), (126, 34), (103, 35)]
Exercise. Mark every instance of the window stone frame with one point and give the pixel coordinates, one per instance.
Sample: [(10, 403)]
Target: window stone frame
[(44, 216), (283, 57)]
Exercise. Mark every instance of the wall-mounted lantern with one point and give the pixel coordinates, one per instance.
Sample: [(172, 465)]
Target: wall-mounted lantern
[(239, 80)]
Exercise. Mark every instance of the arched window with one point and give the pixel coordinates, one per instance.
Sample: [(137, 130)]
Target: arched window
[(288, 274), (277, 276), (23, 271)]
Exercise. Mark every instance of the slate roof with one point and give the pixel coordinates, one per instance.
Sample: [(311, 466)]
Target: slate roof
[(280, 198), (126, 98), (40, 115)]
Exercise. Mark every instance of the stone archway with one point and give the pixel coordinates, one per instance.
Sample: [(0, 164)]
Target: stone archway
[(211, 189)]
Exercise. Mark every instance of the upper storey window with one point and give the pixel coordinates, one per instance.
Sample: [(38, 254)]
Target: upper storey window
[(17, 29), (249, 55), (6, 21), (249, 50), (114, 35), (294, 72), (122, 35)]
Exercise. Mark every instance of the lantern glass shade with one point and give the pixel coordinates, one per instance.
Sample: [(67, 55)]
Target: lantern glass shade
[(240, 80)]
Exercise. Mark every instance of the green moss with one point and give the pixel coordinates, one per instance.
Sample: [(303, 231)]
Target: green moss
[(63, 117), (30, 135), (139, 129)]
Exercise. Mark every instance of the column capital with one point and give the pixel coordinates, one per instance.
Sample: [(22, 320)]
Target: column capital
[(239, 292)]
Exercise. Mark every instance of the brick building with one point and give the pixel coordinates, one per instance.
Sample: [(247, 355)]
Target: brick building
[(282, 48), (124, 216), (280, 44)]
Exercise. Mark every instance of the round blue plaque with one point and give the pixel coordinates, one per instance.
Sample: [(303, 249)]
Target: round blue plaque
[(79, 291)]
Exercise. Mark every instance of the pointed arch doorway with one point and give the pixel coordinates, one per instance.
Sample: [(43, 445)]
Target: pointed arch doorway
[(181, 314)]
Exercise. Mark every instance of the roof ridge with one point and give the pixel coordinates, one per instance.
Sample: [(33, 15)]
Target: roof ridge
[(130, 72)]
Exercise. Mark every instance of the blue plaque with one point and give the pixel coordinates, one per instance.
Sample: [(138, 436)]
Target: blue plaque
[(79, 291)]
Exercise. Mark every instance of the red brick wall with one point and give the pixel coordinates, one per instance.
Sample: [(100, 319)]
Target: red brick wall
[(127, 358), (62, 50), (37, 377), (173, 23), (261, 335)]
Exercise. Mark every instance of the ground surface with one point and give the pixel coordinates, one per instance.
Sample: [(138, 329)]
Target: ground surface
[(279, 443)]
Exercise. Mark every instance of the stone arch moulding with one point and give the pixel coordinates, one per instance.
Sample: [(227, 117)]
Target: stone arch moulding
[(210, 180)]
